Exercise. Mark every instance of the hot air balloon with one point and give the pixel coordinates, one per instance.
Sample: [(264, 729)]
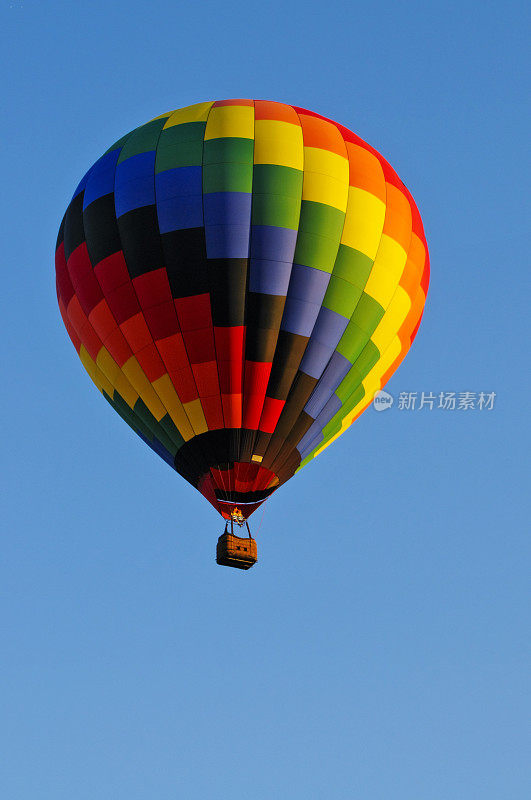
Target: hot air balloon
[(239, 278)]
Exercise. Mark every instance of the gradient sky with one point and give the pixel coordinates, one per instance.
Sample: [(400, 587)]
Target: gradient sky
[(380, 648)]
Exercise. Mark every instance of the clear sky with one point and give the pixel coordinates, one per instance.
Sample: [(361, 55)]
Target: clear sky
[(380, 648)]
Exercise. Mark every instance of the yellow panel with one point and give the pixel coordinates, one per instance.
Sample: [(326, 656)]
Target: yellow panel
[(134, 372), (162, 116), (363, 222), (165, 390), (278, 143), (256, 458), (321, 188), (194, 412), (196, 113), (318, 160), (233, 121), (125, 390), (392, 320), (387, 270), (88, 363), (108, 366)]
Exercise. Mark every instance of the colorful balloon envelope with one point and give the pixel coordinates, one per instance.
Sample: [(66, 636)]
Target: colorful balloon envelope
[(239, 278)]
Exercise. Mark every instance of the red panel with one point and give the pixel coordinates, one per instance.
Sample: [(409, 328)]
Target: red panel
[(232, 410), (254, 404), (118, 347), (270, 414), (64, 284), (102, 320), (230, 343), (256, 377), (151, 362), (153, 288), (162, 320), (123, 302), (200, 345), (219, 103), (206, 378), (112, 272), (173, 352), (212, 411), (76, 341), (89, 292), (79, 264), (136, 332), (184, 384), (194, 312), (230, 376)]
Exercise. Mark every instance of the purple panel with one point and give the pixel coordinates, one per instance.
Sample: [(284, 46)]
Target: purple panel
[(273, 244), (269, 277), (228, 208), (227, 241), (101, 178)]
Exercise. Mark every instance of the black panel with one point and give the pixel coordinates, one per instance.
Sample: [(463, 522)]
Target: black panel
[(101, 229), (140, 237), (74, 232)]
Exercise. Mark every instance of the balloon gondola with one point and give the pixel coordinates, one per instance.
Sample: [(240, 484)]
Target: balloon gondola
[(239, 278)]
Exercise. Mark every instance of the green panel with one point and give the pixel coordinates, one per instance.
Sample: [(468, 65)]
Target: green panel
[(180, 148), (368, 358), (142, 140), (228, 177), (352, 342), (185, 132), (368, 314), (216, 151), (126, 413), (315, 251), (349, 384), (119, 143), (182, 154), (322, 219), (273, 179), (273, 209), (341, 297), (143, 412), (352, 266), (172, 431)]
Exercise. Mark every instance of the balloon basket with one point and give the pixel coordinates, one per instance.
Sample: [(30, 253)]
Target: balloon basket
[(239, 552)]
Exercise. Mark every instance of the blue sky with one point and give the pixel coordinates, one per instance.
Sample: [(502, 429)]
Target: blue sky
[(380, 649)]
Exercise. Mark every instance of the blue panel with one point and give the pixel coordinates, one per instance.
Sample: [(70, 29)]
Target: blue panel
[(179, 181), (275, 244), (228, 208), (269, 277), (101, 179), (178, 213), (307, 442), (326, 334), (299, 317), (135, 183), (337, 369), (308, 284), (82, 183), (226, 241)]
